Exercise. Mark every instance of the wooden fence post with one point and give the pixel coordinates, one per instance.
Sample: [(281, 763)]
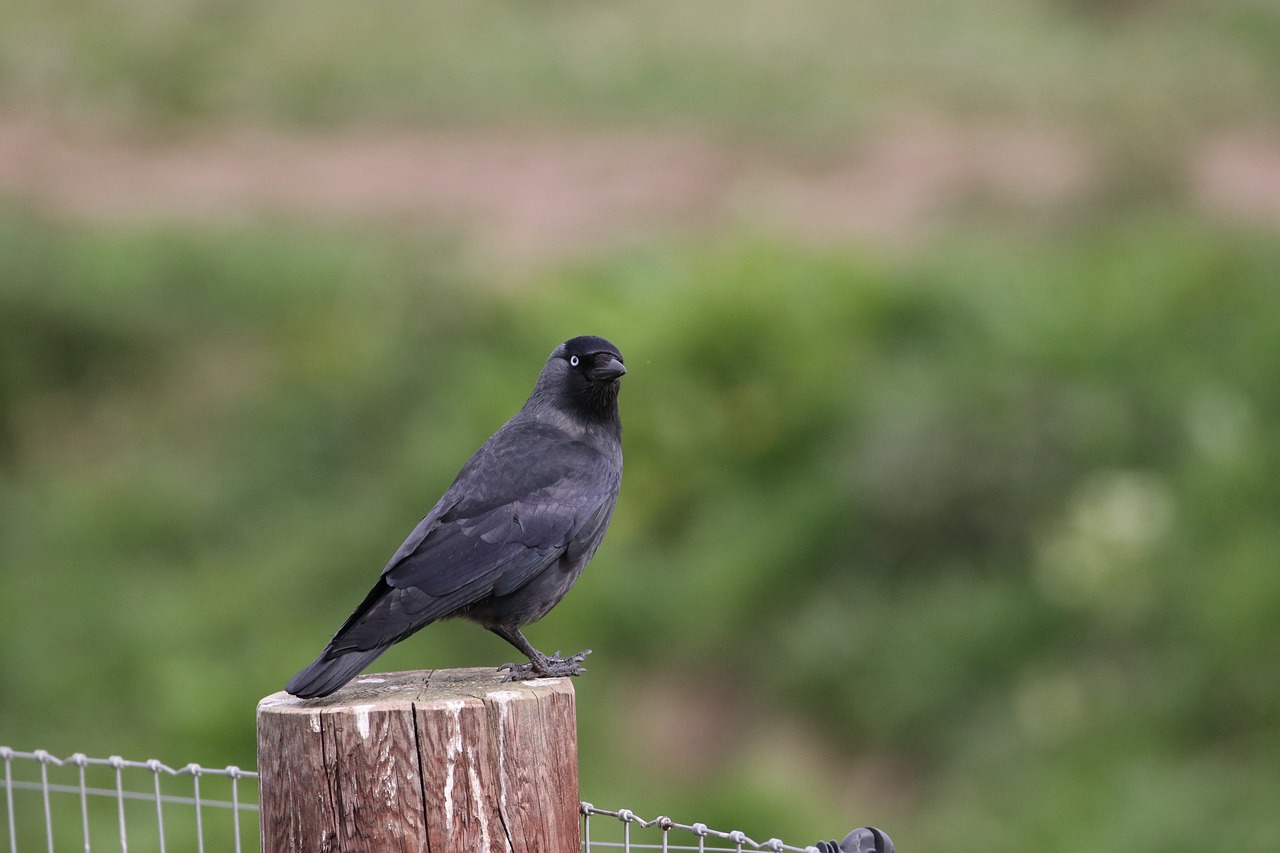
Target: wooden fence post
[(438, 760)]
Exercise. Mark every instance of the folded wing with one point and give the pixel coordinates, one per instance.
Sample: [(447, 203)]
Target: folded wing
[(474, 545)]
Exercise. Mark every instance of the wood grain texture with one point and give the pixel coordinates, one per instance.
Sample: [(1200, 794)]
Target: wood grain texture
[(439, 760)]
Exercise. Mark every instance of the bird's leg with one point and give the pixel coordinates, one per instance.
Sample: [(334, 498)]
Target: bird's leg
[(539, 665)]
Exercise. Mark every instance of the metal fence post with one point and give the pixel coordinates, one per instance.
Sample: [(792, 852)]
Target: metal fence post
[(440, 760)]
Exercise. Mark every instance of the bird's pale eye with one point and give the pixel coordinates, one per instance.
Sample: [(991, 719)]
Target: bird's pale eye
[(573, 361)]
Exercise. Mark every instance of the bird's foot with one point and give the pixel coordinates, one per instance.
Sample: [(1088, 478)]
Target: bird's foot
[(546, 667), (557, 666)]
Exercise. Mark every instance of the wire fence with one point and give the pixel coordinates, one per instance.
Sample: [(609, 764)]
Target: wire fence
[(82, 803), (663, 833)]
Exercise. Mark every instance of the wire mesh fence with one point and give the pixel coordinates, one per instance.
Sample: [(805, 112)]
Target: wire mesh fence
[(108, 804), (604, 829), (82, 803)]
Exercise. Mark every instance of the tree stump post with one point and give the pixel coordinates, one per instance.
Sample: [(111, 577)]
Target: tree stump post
[(438, 760)]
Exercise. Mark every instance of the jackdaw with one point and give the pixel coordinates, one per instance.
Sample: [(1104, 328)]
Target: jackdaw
[(511, 534)]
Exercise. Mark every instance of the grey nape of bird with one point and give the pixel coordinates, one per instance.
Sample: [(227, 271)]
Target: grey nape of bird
[(511, 534)]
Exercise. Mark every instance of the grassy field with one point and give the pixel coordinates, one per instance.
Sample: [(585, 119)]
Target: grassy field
[(951, 411)]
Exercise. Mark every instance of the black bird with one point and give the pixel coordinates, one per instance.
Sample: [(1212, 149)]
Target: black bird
[(511, 534)]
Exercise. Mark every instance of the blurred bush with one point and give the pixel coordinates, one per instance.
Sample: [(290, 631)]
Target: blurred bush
[(978, 543)]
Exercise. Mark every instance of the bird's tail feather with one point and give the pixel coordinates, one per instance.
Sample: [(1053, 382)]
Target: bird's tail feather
[(324, 675)]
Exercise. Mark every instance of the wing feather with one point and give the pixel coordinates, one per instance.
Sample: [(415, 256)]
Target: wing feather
[(514, 509)]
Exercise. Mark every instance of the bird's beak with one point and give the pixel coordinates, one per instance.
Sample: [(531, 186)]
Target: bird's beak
[(611, 371)]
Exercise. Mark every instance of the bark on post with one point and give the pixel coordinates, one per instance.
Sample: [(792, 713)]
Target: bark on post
[(438, 760)]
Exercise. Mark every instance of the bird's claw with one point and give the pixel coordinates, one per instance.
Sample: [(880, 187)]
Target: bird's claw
[(516, 671), (546, 667)]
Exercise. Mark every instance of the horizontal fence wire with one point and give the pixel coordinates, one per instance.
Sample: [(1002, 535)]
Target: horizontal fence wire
[(85, 803), (688, 836)]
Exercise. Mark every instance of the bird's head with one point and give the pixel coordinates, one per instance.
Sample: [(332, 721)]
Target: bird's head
[(583, 375), (593, 359)]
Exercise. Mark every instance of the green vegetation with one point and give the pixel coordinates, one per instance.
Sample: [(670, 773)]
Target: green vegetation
[(818, 66), (998, 524), (975, 542)]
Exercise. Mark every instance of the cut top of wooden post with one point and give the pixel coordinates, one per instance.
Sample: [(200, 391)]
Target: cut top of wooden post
[(431, 760)]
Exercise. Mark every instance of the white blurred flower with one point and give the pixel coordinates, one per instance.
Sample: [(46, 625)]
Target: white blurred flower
[(1097, 556)]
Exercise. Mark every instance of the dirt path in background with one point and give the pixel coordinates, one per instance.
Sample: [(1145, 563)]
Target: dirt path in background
[(540, 196)]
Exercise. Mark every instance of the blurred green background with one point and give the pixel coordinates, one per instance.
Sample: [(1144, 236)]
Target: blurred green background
[(951, 502)]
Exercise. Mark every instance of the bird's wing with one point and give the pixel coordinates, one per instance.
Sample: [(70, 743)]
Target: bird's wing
[(515, 508), (468, 555)]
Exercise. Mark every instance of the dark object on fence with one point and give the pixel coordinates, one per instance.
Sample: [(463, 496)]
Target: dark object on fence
[(434, 760), (864, 839), (511, 535)]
